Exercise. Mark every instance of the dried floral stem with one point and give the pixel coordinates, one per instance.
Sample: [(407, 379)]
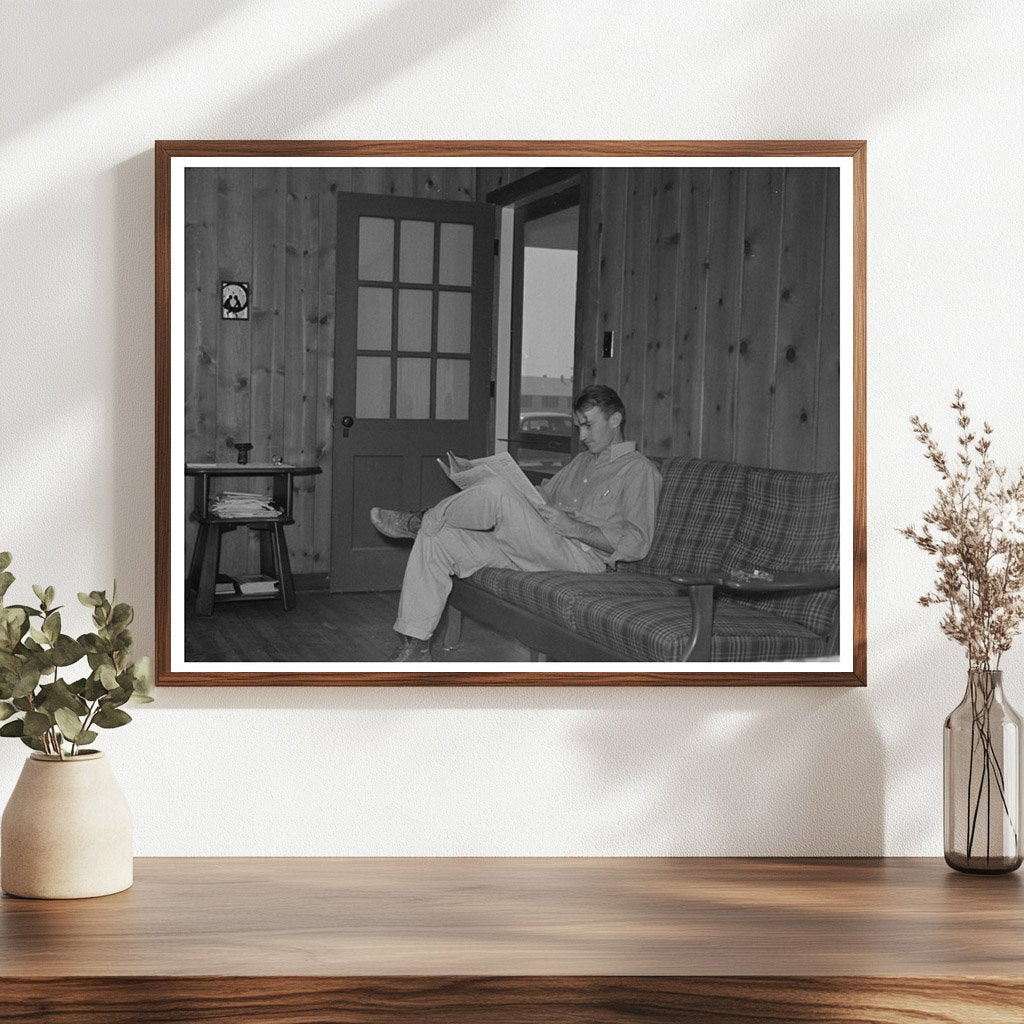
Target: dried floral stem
[(981, 734)]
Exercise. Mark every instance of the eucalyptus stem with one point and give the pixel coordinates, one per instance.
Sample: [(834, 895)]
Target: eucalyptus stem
[(58, 739)]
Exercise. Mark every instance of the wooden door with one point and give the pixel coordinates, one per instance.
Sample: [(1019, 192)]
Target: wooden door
[(412, 366)]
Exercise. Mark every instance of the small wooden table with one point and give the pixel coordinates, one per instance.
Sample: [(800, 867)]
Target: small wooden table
[(505, 940), (204, 568)]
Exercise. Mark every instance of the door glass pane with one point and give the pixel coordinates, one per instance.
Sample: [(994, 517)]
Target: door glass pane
[(414, 319), (453, 321), (456, 257), (376, 249), (452, 389), (412, 400), (373, 387), (416, 256), (373, 326)]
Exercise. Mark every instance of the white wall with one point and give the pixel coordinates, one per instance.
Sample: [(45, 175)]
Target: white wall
[(935, 87)]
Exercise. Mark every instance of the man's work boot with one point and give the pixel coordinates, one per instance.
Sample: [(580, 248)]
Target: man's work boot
[(392, 523), (410, 648)]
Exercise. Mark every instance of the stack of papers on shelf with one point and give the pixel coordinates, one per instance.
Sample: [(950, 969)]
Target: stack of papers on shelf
[(244, 586), (242, 505)]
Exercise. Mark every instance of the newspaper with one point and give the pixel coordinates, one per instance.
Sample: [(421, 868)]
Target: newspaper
[(244, 505), (466, 472)]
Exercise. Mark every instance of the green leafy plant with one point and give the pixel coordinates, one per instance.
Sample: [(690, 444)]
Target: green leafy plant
[(46, 712)]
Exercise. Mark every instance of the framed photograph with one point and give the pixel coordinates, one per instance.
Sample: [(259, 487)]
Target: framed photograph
[(492, 413), (234, 300)]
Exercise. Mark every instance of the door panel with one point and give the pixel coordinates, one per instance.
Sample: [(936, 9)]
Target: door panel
[(412, 366)]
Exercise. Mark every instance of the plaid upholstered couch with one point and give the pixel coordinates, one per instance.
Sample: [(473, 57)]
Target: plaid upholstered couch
[(722, 529)]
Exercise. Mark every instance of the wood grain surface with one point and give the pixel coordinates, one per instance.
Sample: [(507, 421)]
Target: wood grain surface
[(523, 939), (500, 916), (511, 1000)]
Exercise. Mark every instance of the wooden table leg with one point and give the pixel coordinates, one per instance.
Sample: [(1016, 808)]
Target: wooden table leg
[(284, 568), (196, 564), (208, 571), (268, 560)]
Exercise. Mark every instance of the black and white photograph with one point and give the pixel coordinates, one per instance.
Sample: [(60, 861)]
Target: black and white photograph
[(539, 417)]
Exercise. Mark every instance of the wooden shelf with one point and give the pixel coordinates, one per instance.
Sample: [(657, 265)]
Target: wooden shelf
[(573, 941)]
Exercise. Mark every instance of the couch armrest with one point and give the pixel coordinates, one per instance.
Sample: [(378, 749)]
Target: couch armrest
[(776, 582), (700, 588)]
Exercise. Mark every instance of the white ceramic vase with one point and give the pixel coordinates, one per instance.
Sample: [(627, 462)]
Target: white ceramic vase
[(66, 831)]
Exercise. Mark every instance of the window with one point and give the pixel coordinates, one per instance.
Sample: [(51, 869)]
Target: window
[(414, 319)]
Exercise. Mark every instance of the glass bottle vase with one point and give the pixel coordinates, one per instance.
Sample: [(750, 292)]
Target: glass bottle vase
[(981, 774)]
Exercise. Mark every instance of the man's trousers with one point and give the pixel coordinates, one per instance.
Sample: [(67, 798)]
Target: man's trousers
[(488, 524)]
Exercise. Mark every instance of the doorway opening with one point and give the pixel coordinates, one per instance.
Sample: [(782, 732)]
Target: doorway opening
[(543, 331)]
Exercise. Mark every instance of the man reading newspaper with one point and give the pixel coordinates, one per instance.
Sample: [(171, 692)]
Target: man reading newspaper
[(594, 512)]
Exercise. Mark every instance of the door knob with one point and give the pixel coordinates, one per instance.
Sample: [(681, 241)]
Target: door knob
[(346, 422)]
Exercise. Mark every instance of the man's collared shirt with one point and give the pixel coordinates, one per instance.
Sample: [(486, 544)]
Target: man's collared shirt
[(616, 491)]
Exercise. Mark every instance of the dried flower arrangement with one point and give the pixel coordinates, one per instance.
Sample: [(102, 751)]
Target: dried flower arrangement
[(976, 530)]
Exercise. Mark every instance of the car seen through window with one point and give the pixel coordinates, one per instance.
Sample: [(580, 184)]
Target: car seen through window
[(557, 423)]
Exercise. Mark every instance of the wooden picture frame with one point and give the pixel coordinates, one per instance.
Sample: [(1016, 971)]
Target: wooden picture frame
[(420, 167)]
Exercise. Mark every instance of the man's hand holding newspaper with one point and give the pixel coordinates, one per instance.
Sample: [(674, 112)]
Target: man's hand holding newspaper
[(466, 472)]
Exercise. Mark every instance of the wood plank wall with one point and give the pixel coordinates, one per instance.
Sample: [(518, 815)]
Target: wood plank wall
[(269, 380), (721, 286)]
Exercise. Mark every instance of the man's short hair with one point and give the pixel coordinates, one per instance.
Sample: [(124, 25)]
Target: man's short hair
[(601, 396)]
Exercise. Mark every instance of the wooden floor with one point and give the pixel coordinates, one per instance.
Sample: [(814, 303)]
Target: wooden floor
[(324, 627)]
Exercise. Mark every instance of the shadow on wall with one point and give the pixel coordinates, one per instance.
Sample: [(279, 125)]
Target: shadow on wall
[(846, 46), (736, 771), (394, 39), (119, 42), (727, 772), (132, 395), (925, 682), (111, 32)]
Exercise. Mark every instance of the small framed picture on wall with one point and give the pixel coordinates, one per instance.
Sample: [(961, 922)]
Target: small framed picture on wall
[(234, 300)]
